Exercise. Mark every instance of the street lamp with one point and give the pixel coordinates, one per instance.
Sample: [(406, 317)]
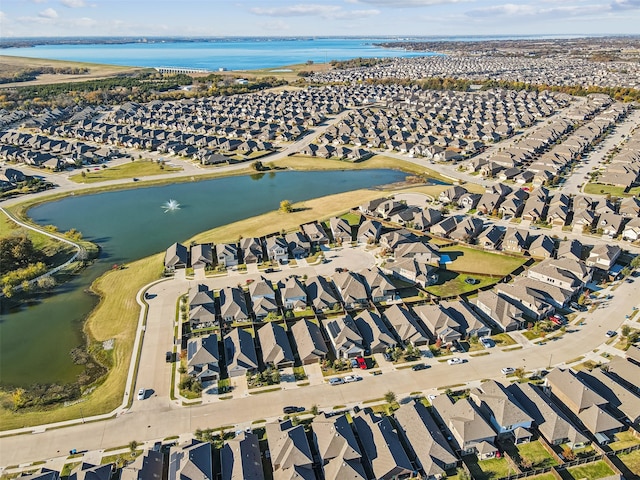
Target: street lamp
[(81, 415)]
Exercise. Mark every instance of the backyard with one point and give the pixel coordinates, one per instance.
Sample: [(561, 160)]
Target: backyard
[(632, 461), (535, 454), (470, 260), (591, 471), (492, 468)]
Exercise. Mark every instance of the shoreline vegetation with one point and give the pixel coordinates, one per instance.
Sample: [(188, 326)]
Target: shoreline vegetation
[(114, 288)]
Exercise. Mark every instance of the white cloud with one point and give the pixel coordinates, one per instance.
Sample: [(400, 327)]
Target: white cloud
[(39, 1), (313, 10), (407, 3), (74, 3), (48, 13), (540, 10)]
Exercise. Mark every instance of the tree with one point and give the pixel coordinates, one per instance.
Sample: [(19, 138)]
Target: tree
[(626, 330), (625, 271), (19, 398), (463, 474), (520, 373), (390, 397), (526, 463), (286, 206), (635, 263), (568, 454), (133, 445)]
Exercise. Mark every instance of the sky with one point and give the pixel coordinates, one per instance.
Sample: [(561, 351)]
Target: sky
[(36, 18)]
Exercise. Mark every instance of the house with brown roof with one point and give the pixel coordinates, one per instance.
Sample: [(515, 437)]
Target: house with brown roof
[(240, 458), (275, 345), (352, 288), (340, 230), (190, 462), (289, 451), (240, 352), (338, 449), (603, 256), (505, 315), (379, 288), (320, 294), (309, 341), (406, 325), (233, 306), (376, 335), (345, 337), (203, 359)]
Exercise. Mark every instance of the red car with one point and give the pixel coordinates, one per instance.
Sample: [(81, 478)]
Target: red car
[(556, 319), (361, 363)]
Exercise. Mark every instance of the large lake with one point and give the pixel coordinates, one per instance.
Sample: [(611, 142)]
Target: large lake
[(238, 54), (35, 341)]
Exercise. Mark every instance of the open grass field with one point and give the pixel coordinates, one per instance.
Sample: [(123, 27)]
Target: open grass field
[(138, 168), (470, 260), (287, 72), (590, 471), (632, 461), (318, 208), (601, 189), (116, 316), (10, 65)]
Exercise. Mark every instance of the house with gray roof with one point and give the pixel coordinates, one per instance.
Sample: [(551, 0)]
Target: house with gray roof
[(233, 307), (340, 230), (345, 337), (603, 256), (392, 240), (201, 255), (552, 423), (505, 315), (471, 433), (277, 249), (289, 451), (529, 297), (263, 297), (542, 246), (379, 288), (88, 471), (565, 273), (501, 408), (293, 293), (458, 316), (201, 307), (368, 232), (452, 194), (251, 250), (515, 240), (422, 252), (491, 237), (298, 244), (352, 288), (275, 345), (375, 333), (626, 372), (315, 233), (309, 341), (240, 352), (227, 254), (428, 447), (176, 257), (320, 294), (570, 249), (413, 271), (620, 398), (148, 466), (203, 359), (382, 447), (406, 326), (444, 227), (191, 462), (240, 458), (338, 449), (467, 229)]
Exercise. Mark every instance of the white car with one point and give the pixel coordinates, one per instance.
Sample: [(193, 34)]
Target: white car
[(508, 370), (141, 394), (455, 361), (352, 378)]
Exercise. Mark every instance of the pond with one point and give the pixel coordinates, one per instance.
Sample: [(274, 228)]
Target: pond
[(35, 339)]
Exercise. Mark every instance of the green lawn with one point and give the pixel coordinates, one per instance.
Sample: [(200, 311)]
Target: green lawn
[(138, 168), (536, 453), (544, 476), (451, 283), (632, 461), (591, 471), (624, 440), (503, 339), (492, 468), (600, 189), (352, 218), (470, 260)]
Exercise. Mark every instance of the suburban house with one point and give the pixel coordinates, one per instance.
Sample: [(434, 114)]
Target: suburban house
[(376, 335), (345, 337), (240, 458), (491, 237), (289, 451), (191, 462), (505, 315), (530, 291), (451, 194), (240, 352), (503, 411), (88, 471), (515, 240), (201, 255), (263, 298), (420, 251), (412, 271), (277, 249), (471, 433), (392, 240), (298, 243), (320, 294), (626, 372), (338, 449), (315, 233), (624, 403), (562, 272), (352, 289), (371, 207), (444, 227), (570, 249), (368, 232), (227, 254), (382, 447), (467, 229), (428, 447), (233, 307), (631, 231), (252, 250), (293, 294), (203, 359), (603, 256), (176, 257), (201, 307), (610, 224), (549, 419), (309, 342), (542, 246), (406, 326), (275, 346), (340, 229), (148, 465), (379, 288), (451, 321)]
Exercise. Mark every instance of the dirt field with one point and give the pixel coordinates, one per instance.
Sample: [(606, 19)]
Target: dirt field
[(10, 65)]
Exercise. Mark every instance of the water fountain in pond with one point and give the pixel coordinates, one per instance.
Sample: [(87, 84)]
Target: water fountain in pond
[(171, 206)]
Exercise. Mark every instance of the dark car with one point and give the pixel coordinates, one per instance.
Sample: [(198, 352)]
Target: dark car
[(419, 366), (168, 357), (289, 410), (269, 270)]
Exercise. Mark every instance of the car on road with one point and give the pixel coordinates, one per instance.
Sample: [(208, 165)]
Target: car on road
[(168, 357), (431, 397), (534, 227), (419, 366), (471, 281), (336, 381), (289, 409), (141, 394), (455, 361), (361, 363), (352, 378), (508, 370), (611, 333), (269, 270)]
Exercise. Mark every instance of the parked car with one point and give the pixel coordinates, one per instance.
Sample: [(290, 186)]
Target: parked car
[(352, 378), (290, 409), (611, 333), (471, 281), (354, 363), (168, 357), (455, 361), (336, 381), (487, 342), (387, 357), (577, 306), (419, 366), (141, 394), (556, 319), (508, 370), (361, 363)]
